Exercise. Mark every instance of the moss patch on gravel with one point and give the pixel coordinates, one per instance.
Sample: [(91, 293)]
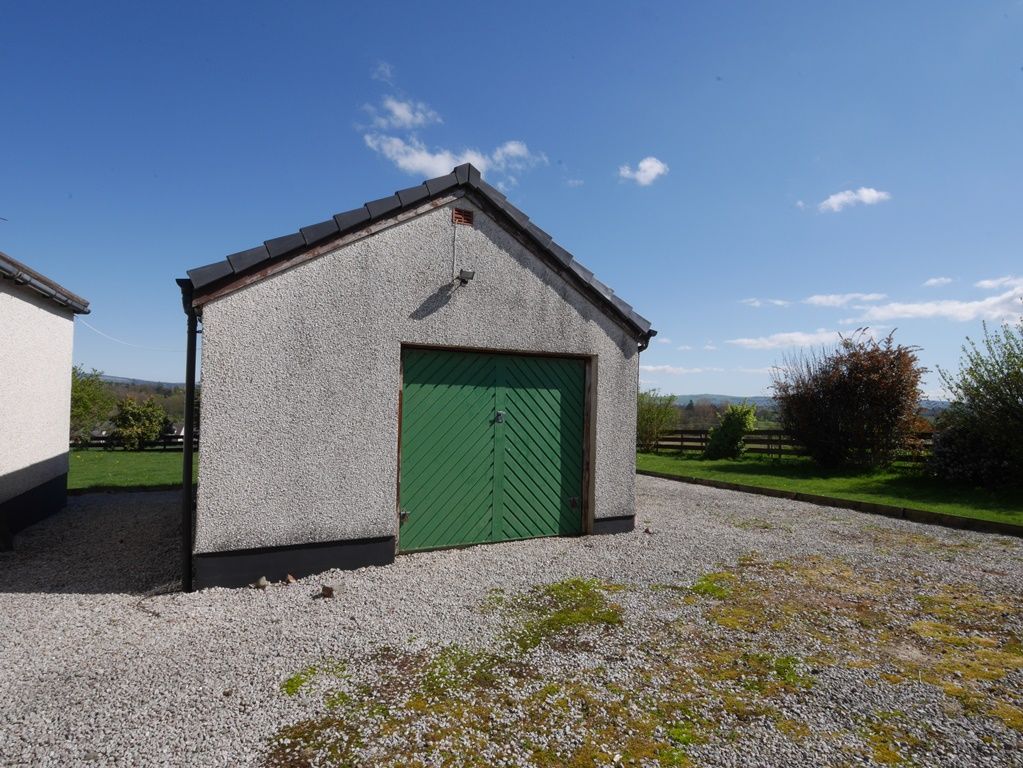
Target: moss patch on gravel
[(296, 682), (660, 673), (559, 610)]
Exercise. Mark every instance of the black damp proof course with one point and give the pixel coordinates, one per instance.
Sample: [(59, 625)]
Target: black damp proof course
[(242, 567), (609, 525), (30, 507)]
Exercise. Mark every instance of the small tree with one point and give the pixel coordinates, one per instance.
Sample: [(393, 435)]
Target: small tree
[(726, 439), (655, 414), (854, 405), (137, 422), (979, 437), (91, 402)]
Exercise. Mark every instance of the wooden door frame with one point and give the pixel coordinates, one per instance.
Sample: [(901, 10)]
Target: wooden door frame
[(586, 505)]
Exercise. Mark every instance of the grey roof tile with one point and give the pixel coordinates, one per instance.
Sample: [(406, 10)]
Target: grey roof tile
[(442, 183), (541, 236), (285, 244), (462, 173), (316, 233), (640, 322), (581, 271), (244, 259), (383, 206), (203, 276), (560, 254), (602, 289), (352, 218), (413, 195), (493, 192)]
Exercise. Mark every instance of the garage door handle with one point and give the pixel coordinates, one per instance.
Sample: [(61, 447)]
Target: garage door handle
[(499, 417)]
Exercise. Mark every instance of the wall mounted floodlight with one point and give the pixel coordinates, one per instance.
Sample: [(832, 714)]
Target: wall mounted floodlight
[(465, 275)]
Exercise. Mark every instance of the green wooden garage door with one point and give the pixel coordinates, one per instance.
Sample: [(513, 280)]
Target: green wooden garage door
[(491, 448)]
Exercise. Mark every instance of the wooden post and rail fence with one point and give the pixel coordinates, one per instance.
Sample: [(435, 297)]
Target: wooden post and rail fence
[(773, 443)]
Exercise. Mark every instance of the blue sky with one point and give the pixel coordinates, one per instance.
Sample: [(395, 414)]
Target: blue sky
[(750, 176)]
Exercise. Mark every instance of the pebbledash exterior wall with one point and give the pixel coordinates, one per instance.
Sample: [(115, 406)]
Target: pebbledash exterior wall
[(35, 397), (301, 378)]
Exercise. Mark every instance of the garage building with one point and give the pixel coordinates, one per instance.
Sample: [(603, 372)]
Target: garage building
[(428, 370)]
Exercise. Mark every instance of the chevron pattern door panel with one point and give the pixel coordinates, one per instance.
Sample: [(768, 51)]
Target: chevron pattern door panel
[(491, 448), (539, 447)]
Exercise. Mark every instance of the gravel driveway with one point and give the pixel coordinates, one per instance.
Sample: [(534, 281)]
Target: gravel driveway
[(740, 631)]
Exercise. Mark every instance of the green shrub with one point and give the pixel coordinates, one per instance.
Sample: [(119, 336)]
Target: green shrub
[(91, 402), (854, 405), (136, 423), (726, 439), (963, 453), (978, 438), (655, 414)]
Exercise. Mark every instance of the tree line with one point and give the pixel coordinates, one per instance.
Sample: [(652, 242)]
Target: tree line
[(858, 406), (136, 413)]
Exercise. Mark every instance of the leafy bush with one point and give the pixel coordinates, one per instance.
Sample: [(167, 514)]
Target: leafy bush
[(978, 437), (655, 414), (854, 405), (726, 439), (963, 453), (91, 402), (136, 422)]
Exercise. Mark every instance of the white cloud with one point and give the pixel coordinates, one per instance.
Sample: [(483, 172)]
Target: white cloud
[(790, 339), (646, 173), (934, 282), (800, 204), (762, 302), (396, 114), (841, 299), (1003, 306), (998, 282), (574, 183), (663, 340), (864, 195), (684, 348), (412, 156), (709, 346), (514, 154), (383, 72), (673, 370)]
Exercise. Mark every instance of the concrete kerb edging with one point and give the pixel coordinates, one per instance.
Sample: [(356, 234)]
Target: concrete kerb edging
[(903, 513)]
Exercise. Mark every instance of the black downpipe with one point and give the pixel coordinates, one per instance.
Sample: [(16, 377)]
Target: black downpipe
[(187, 489)]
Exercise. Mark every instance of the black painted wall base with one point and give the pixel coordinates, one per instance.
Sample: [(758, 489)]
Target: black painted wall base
[(31, 506), (245, 566), (604, 525)]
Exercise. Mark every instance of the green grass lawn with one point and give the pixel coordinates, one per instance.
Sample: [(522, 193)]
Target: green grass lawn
[(97, 468), (896, 487)]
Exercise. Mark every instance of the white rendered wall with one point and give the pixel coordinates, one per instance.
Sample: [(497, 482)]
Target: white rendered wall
[(35, 389)]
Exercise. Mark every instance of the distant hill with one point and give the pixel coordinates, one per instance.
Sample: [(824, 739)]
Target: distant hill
[(141, 382), (763, 401)]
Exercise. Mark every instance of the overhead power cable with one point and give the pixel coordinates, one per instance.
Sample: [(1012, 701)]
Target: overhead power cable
[(126, 343)]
